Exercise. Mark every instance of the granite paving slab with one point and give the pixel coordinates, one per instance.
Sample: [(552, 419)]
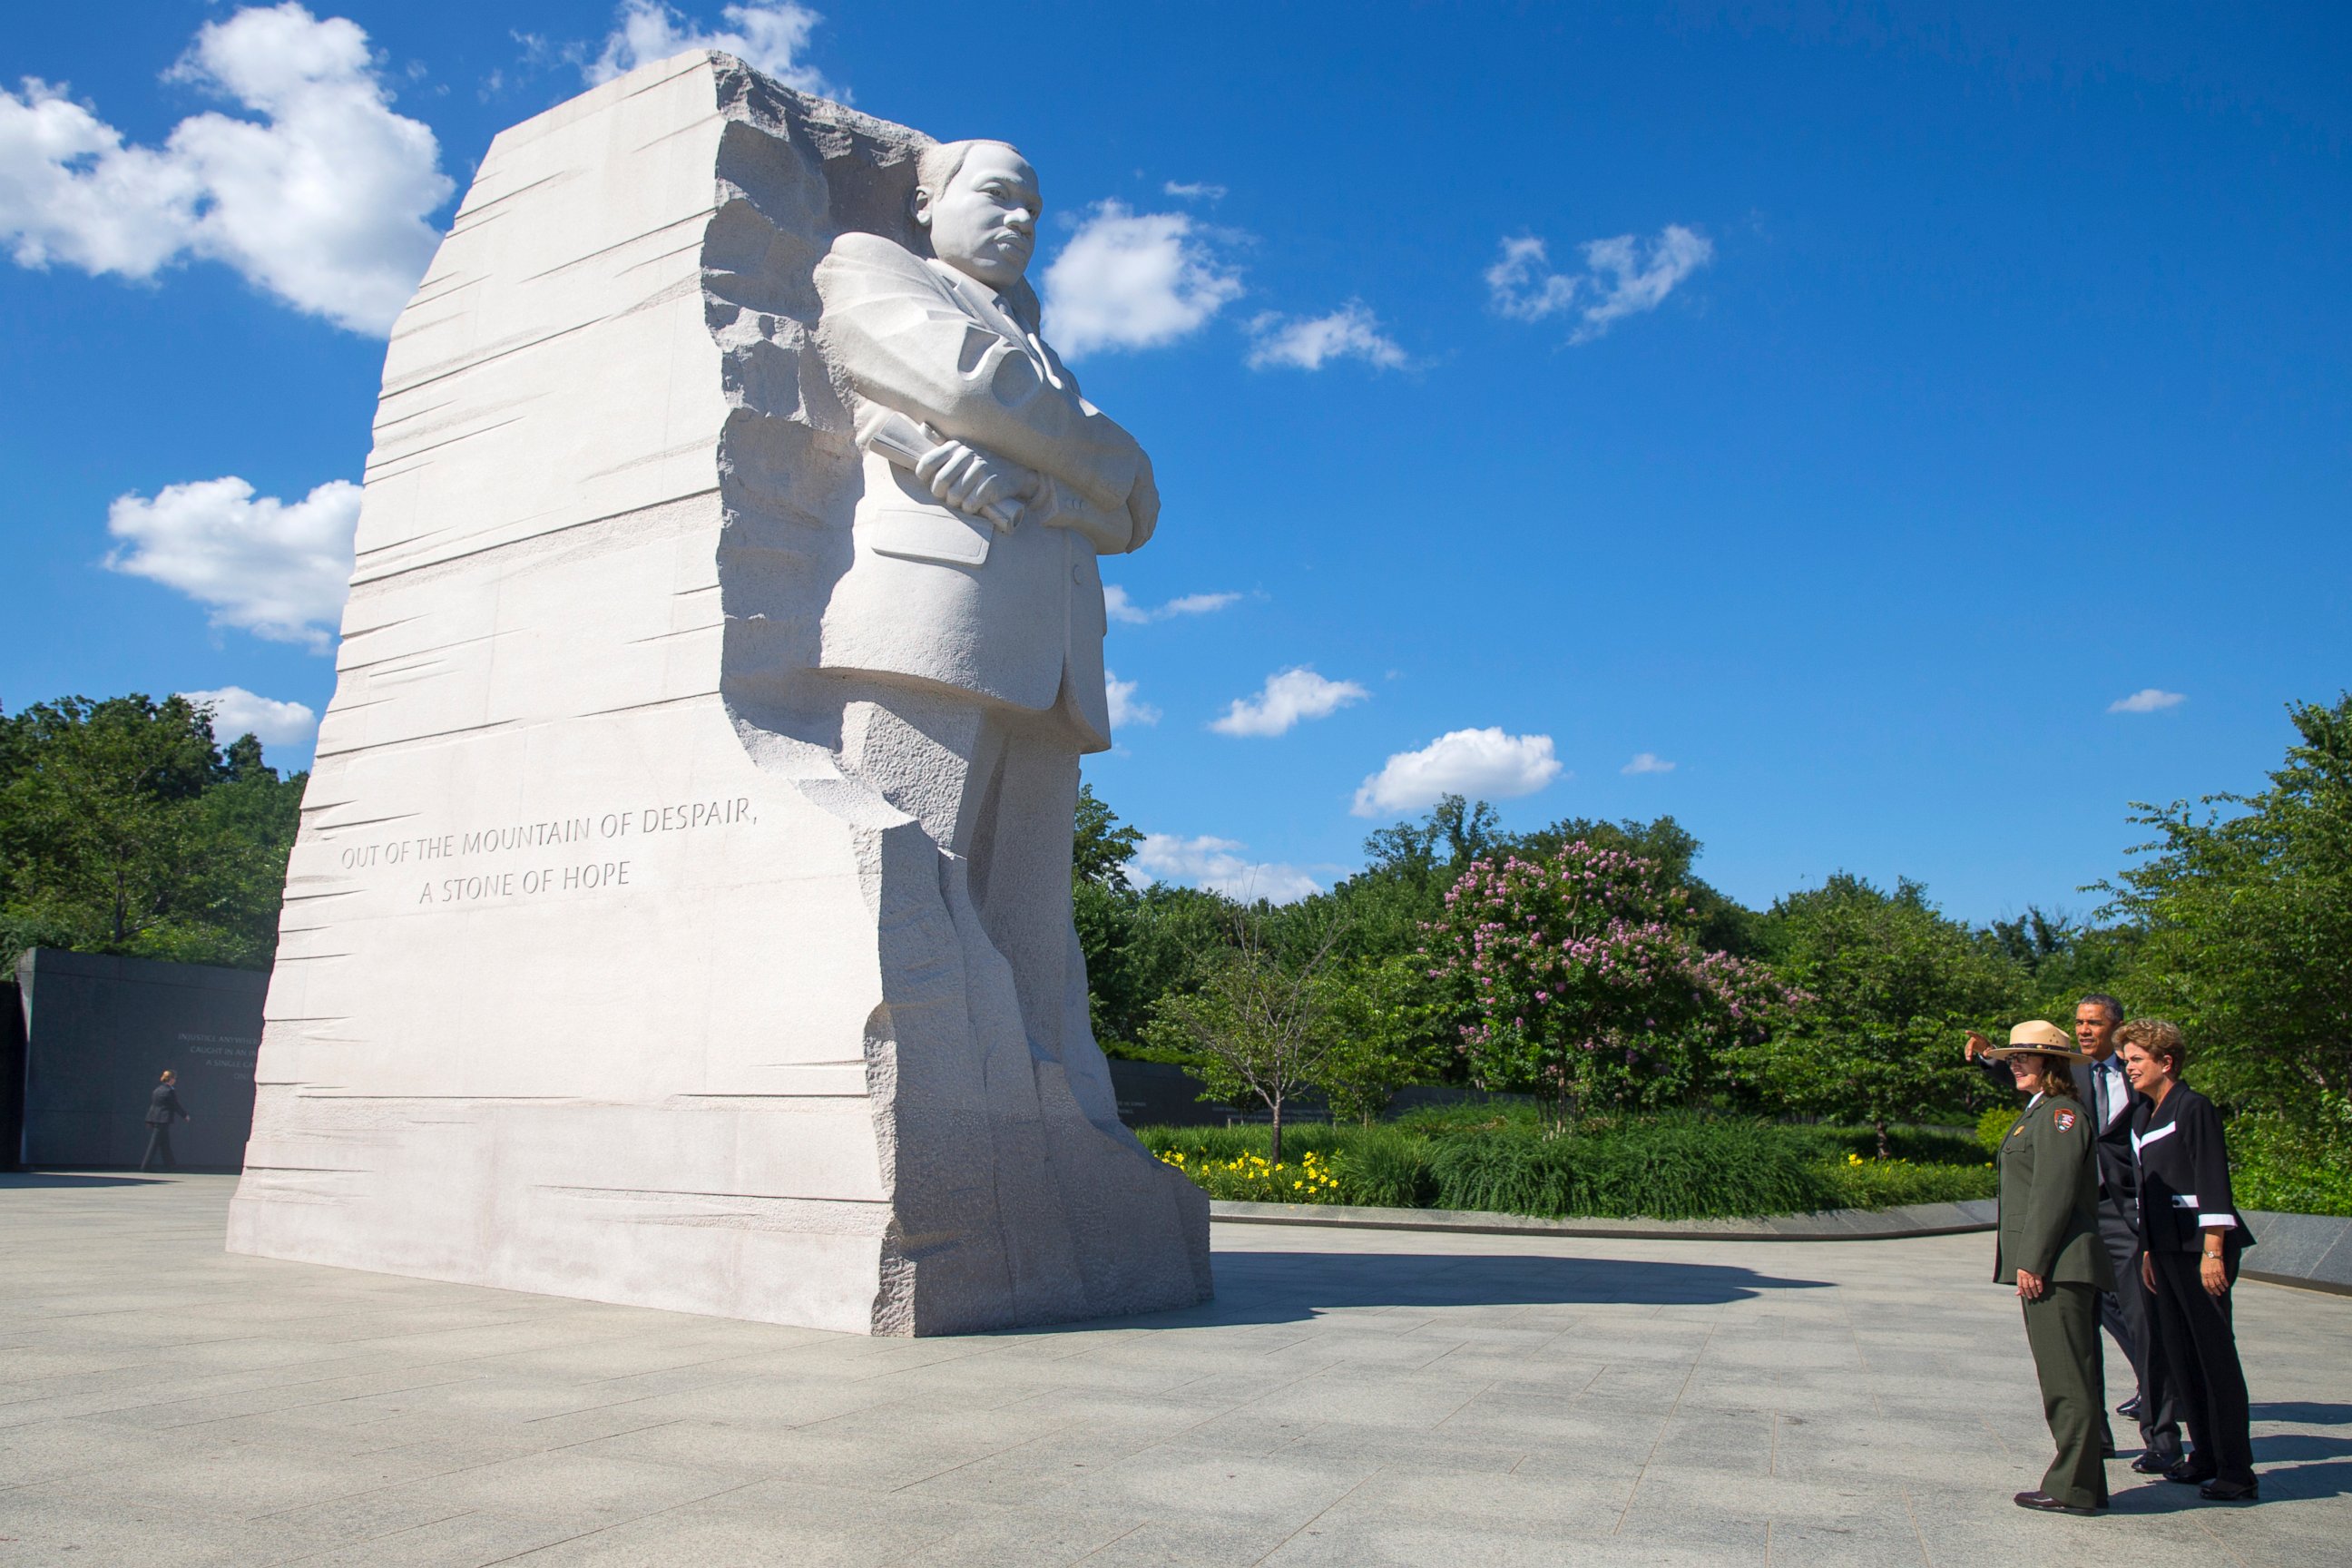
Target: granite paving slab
[(1353, 1396)]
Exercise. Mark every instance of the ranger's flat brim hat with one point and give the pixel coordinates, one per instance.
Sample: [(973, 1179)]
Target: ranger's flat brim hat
[(2038, 1038)]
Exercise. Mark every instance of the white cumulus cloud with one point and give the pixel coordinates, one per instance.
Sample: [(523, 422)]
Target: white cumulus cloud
[(1127, 612), (236, 712), (1133, 280), (1288, 697), (2149, 699), (1218, 865), (1194, 190), (1647, 763), (770, 36), (1124, 708), (322, 200), (1522, 283), (276, 569), (1308, 342), (1623, 278), (1475, 763)]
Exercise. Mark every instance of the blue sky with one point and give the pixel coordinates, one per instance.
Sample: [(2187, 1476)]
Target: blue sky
[(1922, 431)]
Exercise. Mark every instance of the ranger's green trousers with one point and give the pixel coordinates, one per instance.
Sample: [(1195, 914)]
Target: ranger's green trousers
[(2063, 1328)]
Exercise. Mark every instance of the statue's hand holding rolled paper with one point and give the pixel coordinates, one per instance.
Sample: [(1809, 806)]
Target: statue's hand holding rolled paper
[(957, 473)]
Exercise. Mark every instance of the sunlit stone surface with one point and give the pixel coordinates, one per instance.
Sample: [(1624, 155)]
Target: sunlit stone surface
[(680, 915)]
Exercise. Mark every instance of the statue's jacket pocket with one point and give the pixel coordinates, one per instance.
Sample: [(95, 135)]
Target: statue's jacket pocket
[(925, 533)]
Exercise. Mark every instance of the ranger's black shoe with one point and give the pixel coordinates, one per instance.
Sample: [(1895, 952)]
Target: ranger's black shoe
[(2042, 1502)]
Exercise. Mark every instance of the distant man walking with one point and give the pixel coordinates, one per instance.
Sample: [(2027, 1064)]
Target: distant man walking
[(163, 1106)]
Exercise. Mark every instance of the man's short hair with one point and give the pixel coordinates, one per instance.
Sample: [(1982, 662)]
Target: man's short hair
[(2101, 999), (936, 164), (2160, 1038)]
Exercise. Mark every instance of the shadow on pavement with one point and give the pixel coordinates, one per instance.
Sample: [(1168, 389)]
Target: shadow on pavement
[(1288, 1287), (67, 1179), (2330, 1478), (2305, 1413), (2273, 1448), (2326, 1470)]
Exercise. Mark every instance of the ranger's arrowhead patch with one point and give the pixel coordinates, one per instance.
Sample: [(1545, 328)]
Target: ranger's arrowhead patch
[(2065, 1120)]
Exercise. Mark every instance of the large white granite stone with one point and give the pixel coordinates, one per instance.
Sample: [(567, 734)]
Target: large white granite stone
[(663, 929)]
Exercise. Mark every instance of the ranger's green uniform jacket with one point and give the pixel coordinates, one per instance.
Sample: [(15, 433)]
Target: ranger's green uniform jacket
[(2049, 1198)]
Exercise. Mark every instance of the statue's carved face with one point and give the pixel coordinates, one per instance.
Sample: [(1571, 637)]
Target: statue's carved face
[(984, 224)]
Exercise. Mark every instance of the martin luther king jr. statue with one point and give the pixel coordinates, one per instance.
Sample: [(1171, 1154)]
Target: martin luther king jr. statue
[(725, 638), (967, 630), (965, 641)]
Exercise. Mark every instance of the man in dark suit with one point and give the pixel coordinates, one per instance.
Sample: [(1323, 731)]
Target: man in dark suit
[(163, 1106), (2109, 1098)]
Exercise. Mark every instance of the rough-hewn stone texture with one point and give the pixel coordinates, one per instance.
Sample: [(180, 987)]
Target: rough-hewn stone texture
[(601, 974)]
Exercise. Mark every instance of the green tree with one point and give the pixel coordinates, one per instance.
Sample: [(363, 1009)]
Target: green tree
[(1381, 910), (2060, 959), (1102, 844), (2246, 906), (1715, 920), (1255, 1027), (125, 828), (1390, 1027), (1588, 987), (1890, 987), (1139, 944)]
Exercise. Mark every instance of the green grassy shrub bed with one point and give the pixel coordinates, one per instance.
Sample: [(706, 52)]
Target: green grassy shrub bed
[(1890, 1184), (2289, 1169), (1662, 1167)]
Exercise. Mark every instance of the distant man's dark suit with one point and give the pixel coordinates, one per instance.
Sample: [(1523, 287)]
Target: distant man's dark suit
[(2125, 1310), (163, 1106)]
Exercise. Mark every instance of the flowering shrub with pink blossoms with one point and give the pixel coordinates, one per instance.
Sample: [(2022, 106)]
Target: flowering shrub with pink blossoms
[(1587, 988)]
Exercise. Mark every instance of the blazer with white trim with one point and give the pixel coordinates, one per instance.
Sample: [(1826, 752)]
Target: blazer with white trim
[(2184, 1175)]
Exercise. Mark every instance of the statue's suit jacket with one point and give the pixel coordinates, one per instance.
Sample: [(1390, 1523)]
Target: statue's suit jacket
[(931, 592)]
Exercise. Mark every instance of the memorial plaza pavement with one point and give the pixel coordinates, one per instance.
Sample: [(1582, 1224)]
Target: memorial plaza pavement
[(1349, 1398)]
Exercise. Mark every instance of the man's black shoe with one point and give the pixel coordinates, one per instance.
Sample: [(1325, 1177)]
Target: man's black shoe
[(2187, 1474), (2230, 1491), (2129, 1407), (2153, 1463), (2042, 1502)]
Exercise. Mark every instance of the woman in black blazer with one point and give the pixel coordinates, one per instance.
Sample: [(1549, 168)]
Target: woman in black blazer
[(2190, 1237)]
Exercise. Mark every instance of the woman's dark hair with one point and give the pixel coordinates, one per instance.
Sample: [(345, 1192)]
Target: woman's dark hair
[(2057, 1075)]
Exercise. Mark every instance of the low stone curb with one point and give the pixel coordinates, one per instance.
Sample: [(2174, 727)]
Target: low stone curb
[(2310, 1252), (1833, 1225)]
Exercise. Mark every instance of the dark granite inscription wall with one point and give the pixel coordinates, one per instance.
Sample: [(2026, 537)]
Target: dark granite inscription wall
[(99, 1031)]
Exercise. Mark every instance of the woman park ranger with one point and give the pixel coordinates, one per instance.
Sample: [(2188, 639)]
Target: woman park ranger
[(2049, 1249)]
